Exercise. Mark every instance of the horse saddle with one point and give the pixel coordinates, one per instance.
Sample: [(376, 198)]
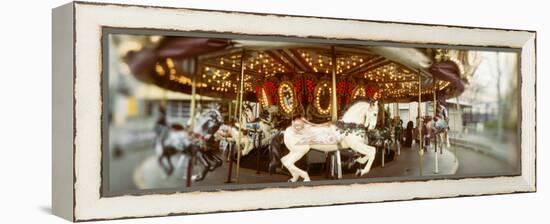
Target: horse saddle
[(225, 131), (314, 134), (252, 126)]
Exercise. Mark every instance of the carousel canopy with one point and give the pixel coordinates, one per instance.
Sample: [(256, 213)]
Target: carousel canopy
[(394, 72)]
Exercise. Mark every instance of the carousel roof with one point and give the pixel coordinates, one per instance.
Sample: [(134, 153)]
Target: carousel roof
[(393, 71)]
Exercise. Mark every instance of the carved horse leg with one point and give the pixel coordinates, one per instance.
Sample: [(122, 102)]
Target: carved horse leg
[(167, 170), (230, 160), (275, 148), (295, 154), (189, 173), (217, 159), (225, 151), (447, 142), (443, 141), (205, 166), (166, 153), (210, 157), (367, 151), (274, 159)]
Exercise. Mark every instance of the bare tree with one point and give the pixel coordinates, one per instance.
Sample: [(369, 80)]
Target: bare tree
[(499, 98)]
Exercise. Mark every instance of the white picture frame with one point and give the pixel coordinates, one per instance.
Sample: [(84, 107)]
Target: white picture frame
[(77, 110)]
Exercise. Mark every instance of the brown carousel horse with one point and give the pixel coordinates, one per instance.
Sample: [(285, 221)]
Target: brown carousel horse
[(194, 143), (437, 127)]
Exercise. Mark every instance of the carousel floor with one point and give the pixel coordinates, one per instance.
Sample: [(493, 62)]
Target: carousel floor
[(148, 174)]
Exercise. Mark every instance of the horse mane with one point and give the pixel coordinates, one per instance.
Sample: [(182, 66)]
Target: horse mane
[(204, 115), (247, 106), (358, 100), (352, 109)]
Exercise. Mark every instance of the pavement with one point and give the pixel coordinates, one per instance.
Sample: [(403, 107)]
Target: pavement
[(408, 164), (473, 154), (474, 162), (148, 174), (505, 150)]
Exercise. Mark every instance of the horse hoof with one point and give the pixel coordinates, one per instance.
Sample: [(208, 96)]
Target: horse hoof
[(292, 181), (307, 180), (358, 173), (197, 177)]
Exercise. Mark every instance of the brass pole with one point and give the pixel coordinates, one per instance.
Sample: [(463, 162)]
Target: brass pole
[(435, 98), (459, 115), (434, 115), (230, 109), (396, 110), (397, 119), (419, 125), (163, 99), (193, 96), (383, 113), (192, 119), (237, 101), (236, 110), (410, 111), (459, 110), (434, 108), (240, 111), (334, 99)]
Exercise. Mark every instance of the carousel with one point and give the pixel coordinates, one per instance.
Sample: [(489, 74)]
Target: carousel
[(297, 109)]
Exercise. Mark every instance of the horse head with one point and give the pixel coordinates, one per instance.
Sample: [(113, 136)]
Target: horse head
[(362, 111), (208, 122), (248, 112), (371, 114)]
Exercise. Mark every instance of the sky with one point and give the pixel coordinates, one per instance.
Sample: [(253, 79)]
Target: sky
[(485, 76)]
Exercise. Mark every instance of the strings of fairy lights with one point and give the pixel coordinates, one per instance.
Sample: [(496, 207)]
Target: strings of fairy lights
[(324, 86), (222, 73)]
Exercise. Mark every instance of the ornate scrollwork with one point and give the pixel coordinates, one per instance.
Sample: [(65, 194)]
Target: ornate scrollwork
[(264, 101), (287, 97), (322, 96)]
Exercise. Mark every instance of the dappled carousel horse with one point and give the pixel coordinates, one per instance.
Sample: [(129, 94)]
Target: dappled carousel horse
[(381, 136), (398, 132), (176, 140), (259, 128), (437, 127), (230, 133), (276, 149), (349, 132), (252, 126)]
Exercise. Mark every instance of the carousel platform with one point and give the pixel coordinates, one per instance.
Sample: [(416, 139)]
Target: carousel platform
[(149, 175)]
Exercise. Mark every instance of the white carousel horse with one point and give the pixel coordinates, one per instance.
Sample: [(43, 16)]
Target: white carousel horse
[(302, 136), (230, 133)]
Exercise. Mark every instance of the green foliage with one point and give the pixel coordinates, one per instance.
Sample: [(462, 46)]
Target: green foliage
[(350, 128)]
